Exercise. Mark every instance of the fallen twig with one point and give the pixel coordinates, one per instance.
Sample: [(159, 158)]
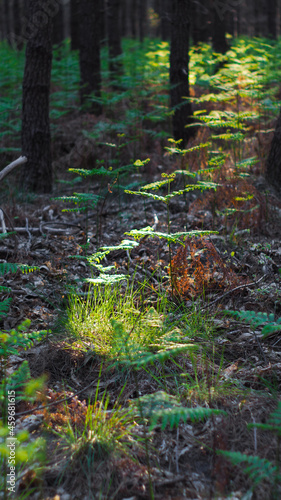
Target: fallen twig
[(245, 285), (11, 166)]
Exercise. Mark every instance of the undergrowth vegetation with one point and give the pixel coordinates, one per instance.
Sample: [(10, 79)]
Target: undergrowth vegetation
[(144, 319)]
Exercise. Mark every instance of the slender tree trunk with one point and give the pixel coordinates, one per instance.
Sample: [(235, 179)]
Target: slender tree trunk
[(18, 15), (142, 18), (102, 22), (179, 71), (7, 19), (165, 19), (58, 28), (74, 24), (36, 137), (90, 66), (219, 29), (273, 166), (114, 37), (133, 17), (200, 28), (272, 18), (124, 19)]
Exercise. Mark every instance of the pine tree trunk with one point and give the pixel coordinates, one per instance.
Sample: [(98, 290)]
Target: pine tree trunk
[(18, 15), (179, 71), (165, 20), (36, 137), (219, 29), (58, 28), (272, 18), (273, 166), (89, 57), (114, 37), (200, 29), (74, 24), (133, 18)]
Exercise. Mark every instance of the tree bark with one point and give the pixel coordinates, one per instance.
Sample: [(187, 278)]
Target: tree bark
[(89, 57), (165, 19), (179, 71), (273, 166), (219, 29), (74, 24), (114, 37), (58, 28), (36, 137), (133, 18), (272, 18), (18, 15), (200, 29)]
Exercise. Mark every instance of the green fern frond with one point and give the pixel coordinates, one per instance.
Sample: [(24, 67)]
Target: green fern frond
[(190, 150), (156, 185), (258, 319), (4, 307), (95, 171), (27, 269), (235, 137), (248, 162), (7, 267), (6, 235), (153, 402), (124, 245), (105, 279), (273, 423), (258, 469), (144, 359), (172, 416), (171, 238)]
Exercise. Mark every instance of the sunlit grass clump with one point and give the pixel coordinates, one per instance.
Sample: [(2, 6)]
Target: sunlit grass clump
[(109, 323), (105, 432)]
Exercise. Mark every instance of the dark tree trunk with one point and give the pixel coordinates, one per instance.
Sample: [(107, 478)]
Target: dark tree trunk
[(74, 24), (179, 72), (133, 17), (58, 28), (273, 166), (7, 19), (157, 9), (102, 22), (272, 18), (90, 67), (257, 18), (165, 19), (18, 15), (36, 137), (200, 28), (114, 37), (124, 19), (142, 18), (3, 31), (219, 29)]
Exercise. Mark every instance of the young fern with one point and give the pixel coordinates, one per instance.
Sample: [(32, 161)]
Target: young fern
[(261, 469), (258, 319), (163, 407)]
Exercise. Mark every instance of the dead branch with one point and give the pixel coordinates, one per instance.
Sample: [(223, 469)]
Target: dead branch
[(11, 166)]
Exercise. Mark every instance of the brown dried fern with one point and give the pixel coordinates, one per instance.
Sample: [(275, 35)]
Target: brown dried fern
[(197, 268)]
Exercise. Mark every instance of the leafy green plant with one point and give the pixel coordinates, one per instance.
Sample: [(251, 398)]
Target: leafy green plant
[(257, 319), (18, 383), (166, 408), (261, 469), (5, 268), (105, 431)]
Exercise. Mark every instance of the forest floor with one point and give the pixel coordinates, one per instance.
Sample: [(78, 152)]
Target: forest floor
[(232, 365)]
